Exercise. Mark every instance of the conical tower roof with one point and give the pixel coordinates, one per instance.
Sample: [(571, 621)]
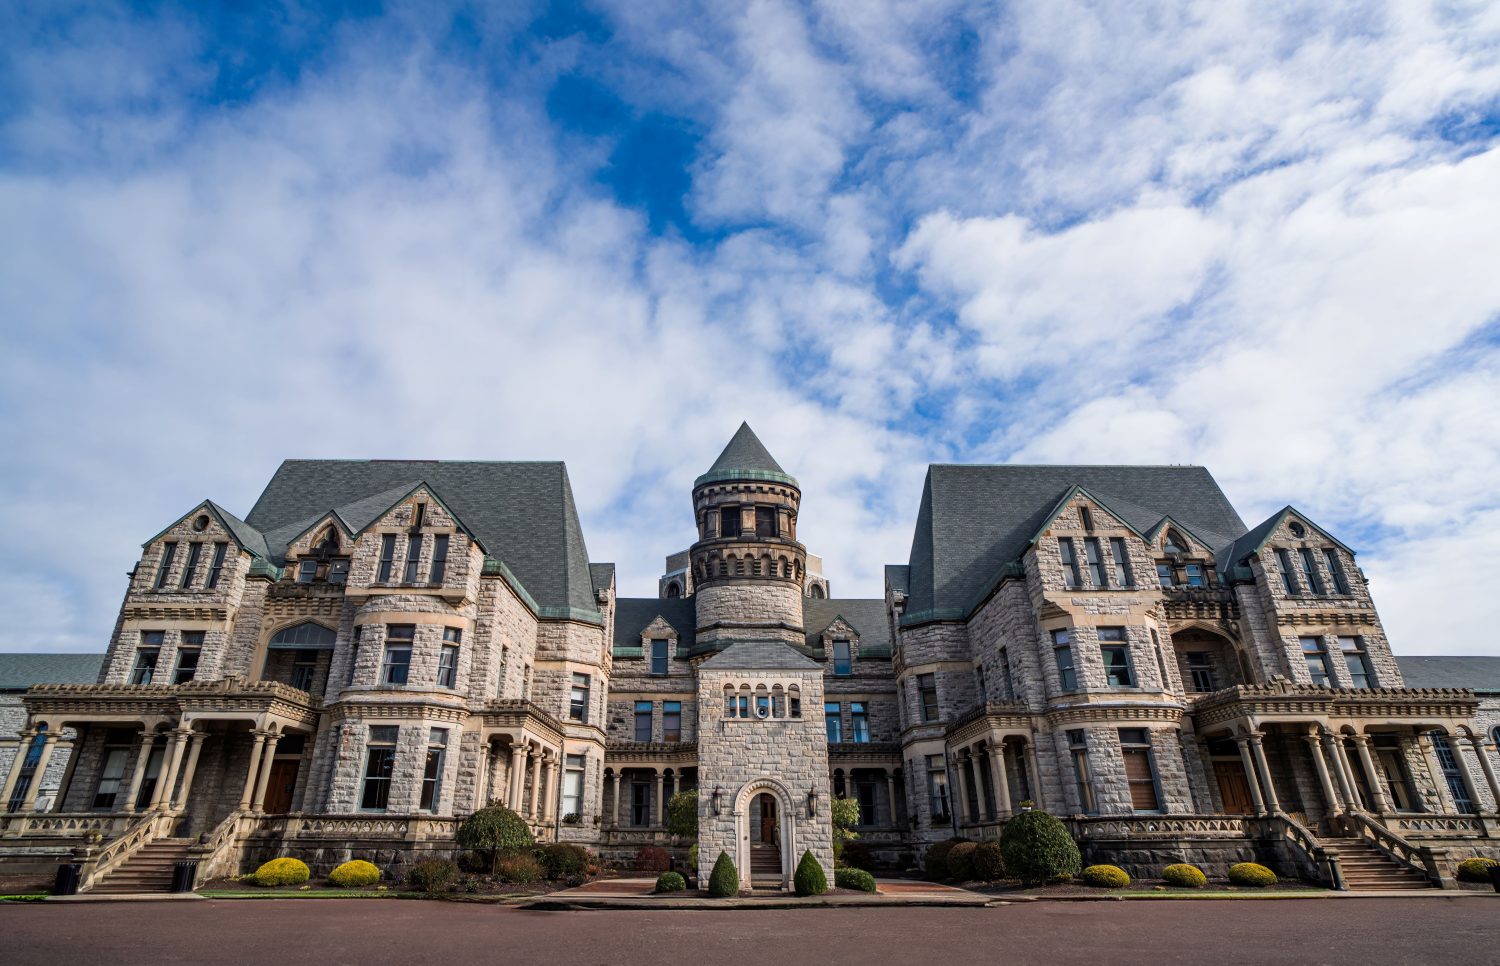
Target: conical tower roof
[(745, 458)]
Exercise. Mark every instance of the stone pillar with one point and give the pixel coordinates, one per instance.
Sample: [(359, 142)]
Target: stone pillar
[(1002, 779), (49, 741), (482, 775), (248, 795), (67, 780), (1034, 776), (1315, 748), (961, 807), (518, 779), (614, 819), (1464, 771), (671, 790), (161, 796), (14, 775), (191, 769), (142, 759), (1434, 770), (1341, 757), (1268, 787), (263, 780), (890, 795), (549, 808), (659, 819), (1488, 767), (1332, 745), (534, 807), (1372, 774), (1252, 778)]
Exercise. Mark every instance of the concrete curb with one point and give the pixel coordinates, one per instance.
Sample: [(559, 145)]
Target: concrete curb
[(579, 904), (127, 897)]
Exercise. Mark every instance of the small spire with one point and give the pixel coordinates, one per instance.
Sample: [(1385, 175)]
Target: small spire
[(746, 452)]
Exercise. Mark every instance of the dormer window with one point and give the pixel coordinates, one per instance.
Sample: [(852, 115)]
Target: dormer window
[(338, 570), (307, 571), (1193, 575), (843, 662), (419, 516), (1086, 517), (1175, 544)]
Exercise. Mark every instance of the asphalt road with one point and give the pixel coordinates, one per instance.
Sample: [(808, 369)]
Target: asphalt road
[(358, 932)]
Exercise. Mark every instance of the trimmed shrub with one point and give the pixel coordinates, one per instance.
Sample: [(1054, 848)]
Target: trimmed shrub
[(1476, 869), (562, 859), (848, 878), (935, 862), (495, 830), (961, 861), (522, 868), (724, 881), (989, 862), (810, 879), (1037, 848), (670, 882), (1251, 874), (857, 855), (432, 875), (682, 814), (281, 872), (1106, 877), (653, 858), (352, 875), (1182, 874)]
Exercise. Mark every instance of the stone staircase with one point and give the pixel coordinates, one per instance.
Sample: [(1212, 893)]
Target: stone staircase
[(1368, 869), (148, 870), (765, 869)]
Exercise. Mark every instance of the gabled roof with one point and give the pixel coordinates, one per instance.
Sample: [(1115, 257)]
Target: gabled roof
[(1475, 673), (1209, 541), (867, 617), (759, 656), (635, 614), (746, 457), (523, 514), (1077, 491), (974, 521), (244, 534), (601, 575), (1252, 542), (20, 671)]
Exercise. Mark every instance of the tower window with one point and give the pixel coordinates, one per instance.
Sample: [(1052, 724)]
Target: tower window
[(1062, 653), (765, 521), (729, 521)]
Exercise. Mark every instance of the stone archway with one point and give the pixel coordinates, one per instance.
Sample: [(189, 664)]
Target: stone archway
[(764, 808)]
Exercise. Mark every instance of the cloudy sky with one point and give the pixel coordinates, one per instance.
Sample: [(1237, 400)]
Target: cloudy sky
[(1261, 236)]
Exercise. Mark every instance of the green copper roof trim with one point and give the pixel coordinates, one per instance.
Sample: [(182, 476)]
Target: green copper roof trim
[(495, 567), (261, 567), (749, 476)]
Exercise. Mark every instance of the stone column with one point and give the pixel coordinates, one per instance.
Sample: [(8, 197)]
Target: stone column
[(1252, 777), (614, 807), (142, 758), (1002, 780), (659, 819), (890, 796), (248, 795), (264, 779), (1434, 770), (1341, 753), (49, 741), (518, 779), (1488, 767), (1331, 746), (161, 796), (549, 808), (1315, 748), (534, 807), (14, 775), (1268, 788), (961, 807), (1372, 774), (672, 789), (482, 775), (1034, 776), (191, 769), (1464, 772), (74, 747)]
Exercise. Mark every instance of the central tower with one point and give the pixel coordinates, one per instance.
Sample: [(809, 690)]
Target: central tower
[(748, 567)]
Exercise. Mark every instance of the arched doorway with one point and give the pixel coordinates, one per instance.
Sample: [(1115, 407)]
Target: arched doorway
[(765, 842), (766, 835)]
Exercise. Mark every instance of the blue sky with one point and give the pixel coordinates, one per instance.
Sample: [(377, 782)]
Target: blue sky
[(1256, 236)]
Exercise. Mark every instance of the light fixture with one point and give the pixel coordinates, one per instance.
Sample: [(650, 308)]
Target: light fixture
[(812, 803), (716, 798)]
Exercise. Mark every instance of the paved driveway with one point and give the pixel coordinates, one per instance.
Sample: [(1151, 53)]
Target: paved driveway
[(370, 932)]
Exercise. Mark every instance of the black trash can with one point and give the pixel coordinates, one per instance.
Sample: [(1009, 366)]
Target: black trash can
[(1495, 877), (183, 874), (66, 883)]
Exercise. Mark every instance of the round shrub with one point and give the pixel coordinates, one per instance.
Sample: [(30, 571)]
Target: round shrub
[(522, 868), (848, 878), (1182, 874), (1106, 877), (281, 872), (496, 830), (1251, 874), (653, 858), (352, 875), (432, 875), (989, 862), (1476, 869), (935, 862), (670, 882), (810, 879), (961, 861), (562, 859), (1037, 848), (724, 881)]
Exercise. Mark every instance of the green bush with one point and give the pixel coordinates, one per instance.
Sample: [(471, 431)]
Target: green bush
[(857, 855), (935, 862), (682, 814), (432, 875), (281, 872), (653, 858), (989, 862), (496, 830), (810, 878), (848, 878), (1476, 869), (562, 859), (961, 861), (1182, 874), (1037, 848), (670, 882), (724, 881), (1106, 877), (352, 875), (1251, 874), (844, 814), (521, 868), (693, 858)]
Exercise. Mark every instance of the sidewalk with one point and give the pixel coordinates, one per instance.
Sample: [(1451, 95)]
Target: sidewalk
[(638, 894)]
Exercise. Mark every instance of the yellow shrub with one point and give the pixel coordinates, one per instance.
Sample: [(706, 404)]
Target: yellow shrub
[(1251, 874), (1182, 874), (281, 872), (1475, 870), (354, 874), (1106, 877)]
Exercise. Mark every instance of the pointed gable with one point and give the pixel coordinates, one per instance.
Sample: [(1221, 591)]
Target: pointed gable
[(247, 537), (746, 457), (1255, 540)]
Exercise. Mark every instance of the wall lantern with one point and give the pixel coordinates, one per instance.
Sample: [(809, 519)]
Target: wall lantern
[(812, 803), (717, 797)]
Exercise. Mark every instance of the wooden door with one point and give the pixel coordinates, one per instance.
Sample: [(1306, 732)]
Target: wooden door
[(1234, 790), (283, 784)]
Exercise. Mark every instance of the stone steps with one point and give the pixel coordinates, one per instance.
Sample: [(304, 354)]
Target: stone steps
[(148, 870), (1366, 868)]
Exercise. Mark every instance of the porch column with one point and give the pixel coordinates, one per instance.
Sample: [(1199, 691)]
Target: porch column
[(1034, 777), (49, 741), (15, 769), (1252, 778), (1372, 776), (660, 818), (961, 808), (191, 769), (672, 789), (263, 781), (1315, 748), (1356, 800), (482, 776), (518, 779), (614, 813), (248, 795), (1456, 743), (1489, 768), (890, 795), (549, 808), (1002, 780), (1268, 788), (75, 746), (139, 774), (1435, 772), (1332, 747), (534, 808), (161, 796)]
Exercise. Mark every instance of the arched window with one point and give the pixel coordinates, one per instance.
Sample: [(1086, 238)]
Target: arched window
[(673, 590), (330, 541), (728, 701), (306, 636), (794, 701), (762, 702), (817, 592), (1175, 543), (778, 702)]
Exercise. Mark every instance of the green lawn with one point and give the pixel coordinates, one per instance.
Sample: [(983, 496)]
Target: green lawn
[(306, 894)]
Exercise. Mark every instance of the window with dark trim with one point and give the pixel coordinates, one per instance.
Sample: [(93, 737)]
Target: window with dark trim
[(1200, 671), (1140, 769), (578, 699), (439, 559), (1310, 571), (1192, 575), (937, 789), (432, 771), (833, 722), (216, 569), (1062, 653), (1115, 652), (643, 714), (1078, 749), (146, 656), (1095, 562), (1164, 573), (842, 662), (659, 656), (168, 553), (1358, 661), (1072, 578), (1335, 570), (338, 570), (190, 569), (398, 644), (380, 761), (671, 721), (927, 690), (304, 669), (188, 652), (729, 521), (1288, 577), (413, 557), (447, 674), (765, 521), (387, 558), (1317, 660), (307, 571), (859, 722), (1121, 559)]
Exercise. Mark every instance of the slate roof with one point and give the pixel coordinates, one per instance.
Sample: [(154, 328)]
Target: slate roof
[(522, 513), (20, 671), (865, 616), (633, 614), (602, 575), (745, 457), (1475, 673), (973, 521), (760, 656)]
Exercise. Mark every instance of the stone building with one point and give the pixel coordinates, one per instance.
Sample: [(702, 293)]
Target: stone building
[(380, 647)]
